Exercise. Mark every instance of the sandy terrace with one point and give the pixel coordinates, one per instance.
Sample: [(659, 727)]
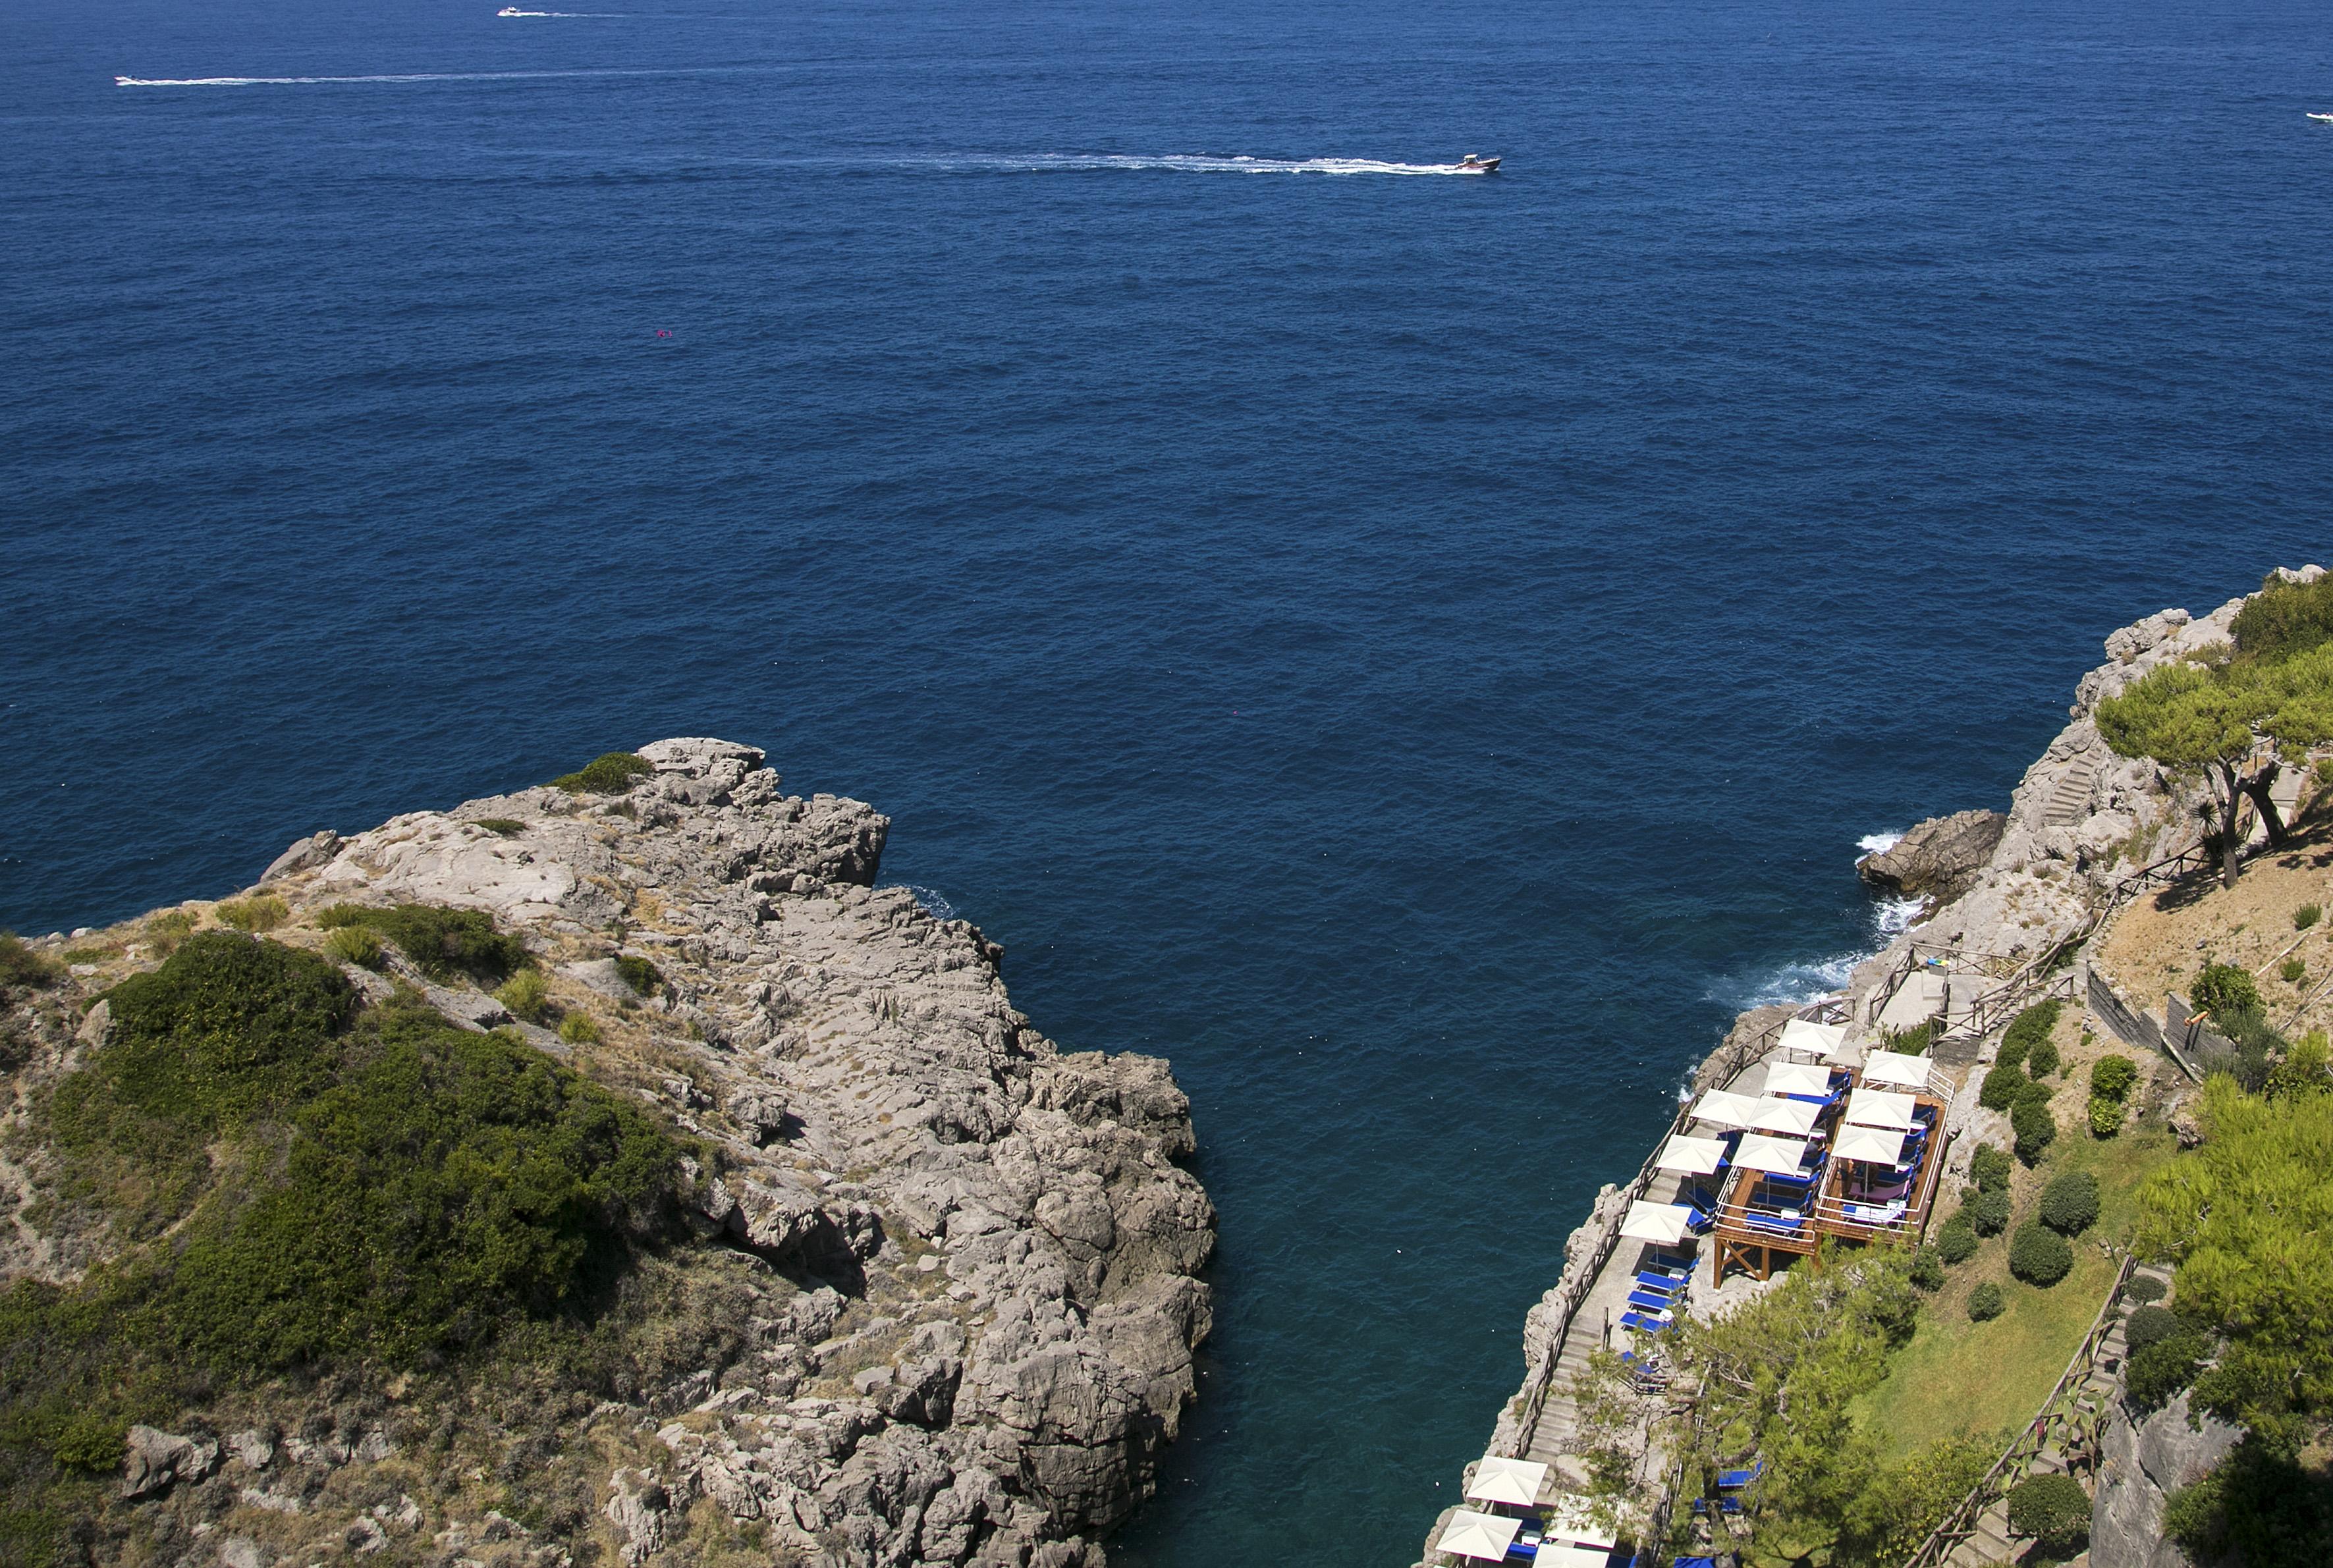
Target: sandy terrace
[(2163, 941)]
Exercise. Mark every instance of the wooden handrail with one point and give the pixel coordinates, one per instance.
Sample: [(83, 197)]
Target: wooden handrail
[(1960, 1523)]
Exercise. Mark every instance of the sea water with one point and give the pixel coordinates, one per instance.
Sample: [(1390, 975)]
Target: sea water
[(1418, 651)]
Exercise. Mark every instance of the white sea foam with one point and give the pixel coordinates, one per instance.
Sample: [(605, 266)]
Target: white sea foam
[(335, 81), (1193, 163), (933, 902), (1878, 843), (1813, 979)]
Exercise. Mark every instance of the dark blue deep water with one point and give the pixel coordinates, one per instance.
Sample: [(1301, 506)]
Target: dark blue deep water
[(1417, 651)]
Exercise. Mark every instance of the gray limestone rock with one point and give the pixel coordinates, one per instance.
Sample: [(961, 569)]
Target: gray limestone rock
[(2140, 1466), (1939, 857), (156, 1459), (305, 854)]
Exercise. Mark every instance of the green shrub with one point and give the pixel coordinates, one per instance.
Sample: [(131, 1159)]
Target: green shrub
[(2307, 1068), (1988, 1212), (527, 995), (21, 966), (1927, 1269), (354, 945), (2262, 1506), (1915, 1041), (578, 1029), (2283, 619), (1985, 1303), (1991, 1168), (2002, 1084), (167, 930), (639, 974), (2052, 1510), (609, 774), (507, 826), (2153, 1376), (2142, 1288), (2114, 1076), (2012, 1053), (2149, 1325), (2307, 915), (2036, 1130), (2042, 1059), (2039, 1256), (2069, 1204), (1955, 1239), (2029, 1029), (2224, 990), (2105, 1117), (2294, 970), (265, 912), (442, 942)]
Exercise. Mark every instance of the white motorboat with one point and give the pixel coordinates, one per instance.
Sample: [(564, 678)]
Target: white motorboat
[(2327, 119), (1473, 163)]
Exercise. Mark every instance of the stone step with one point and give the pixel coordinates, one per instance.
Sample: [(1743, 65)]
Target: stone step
[(2070, 801)]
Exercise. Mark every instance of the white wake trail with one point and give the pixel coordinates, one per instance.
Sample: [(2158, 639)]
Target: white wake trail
[(335, 81), (1193, 163)]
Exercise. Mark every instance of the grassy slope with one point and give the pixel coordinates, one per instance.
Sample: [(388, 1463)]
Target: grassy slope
[(1989, 1378)]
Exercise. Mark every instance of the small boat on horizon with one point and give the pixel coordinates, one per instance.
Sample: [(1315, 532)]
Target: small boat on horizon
[(1473, 163), (2327, 119)]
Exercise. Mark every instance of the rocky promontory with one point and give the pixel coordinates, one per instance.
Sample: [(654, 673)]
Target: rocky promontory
[(932, 1290)]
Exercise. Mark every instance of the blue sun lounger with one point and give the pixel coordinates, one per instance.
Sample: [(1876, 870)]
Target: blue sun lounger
[(1643, 1324)]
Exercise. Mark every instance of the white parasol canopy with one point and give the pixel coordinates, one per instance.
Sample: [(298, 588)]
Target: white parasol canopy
[(1870, 1145), (1664, 1222), (1814, 1040), (1894, 1068), (1689, 1156), (1504, 1480), (1781, 1156), (1557, 1554), (1722, 1108), (1573, 1518), (1797, 1078), (1483, 1535), (1878, 1108), (1793, 1116)]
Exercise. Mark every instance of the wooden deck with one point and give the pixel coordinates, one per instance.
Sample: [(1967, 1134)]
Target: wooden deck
[(1743, 1240)]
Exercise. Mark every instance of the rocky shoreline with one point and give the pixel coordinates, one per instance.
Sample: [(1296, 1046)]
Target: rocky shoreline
[(2012, 887), (975, 1255)]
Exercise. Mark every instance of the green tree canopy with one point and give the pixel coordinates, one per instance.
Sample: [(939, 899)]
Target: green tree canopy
[(2248, 1217)]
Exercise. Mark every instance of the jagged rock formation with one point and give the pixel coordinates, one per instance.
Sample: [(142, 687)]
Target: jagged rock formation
[(2142, 1463), (973, 1256), (1938, 858)]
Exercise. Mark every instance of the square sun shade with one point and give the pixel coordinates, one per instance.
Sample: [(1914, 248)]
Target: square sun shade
[(1870, 1145), (1797, 1078), (1722, 1108), (1877, 1108), (1662, 1222), (1893, 1067), (1814, 1040), (1796, 1118), (1504, 1480), (1483, 1535), (1572, 1518), (1689, 1156), (1781, 1156)]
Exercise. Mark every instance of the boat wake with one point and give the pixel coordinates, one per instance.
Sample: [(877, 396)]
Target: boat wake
[(335, 81), (1180, 163)]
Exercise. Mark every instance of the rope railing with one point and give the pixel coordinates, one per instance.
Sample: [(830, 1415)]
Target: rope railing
[(1961, 1523)]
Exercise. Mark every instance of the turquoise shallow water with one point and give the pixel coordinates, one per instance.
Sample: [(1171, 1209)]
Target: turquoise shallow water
[(1417, 651)]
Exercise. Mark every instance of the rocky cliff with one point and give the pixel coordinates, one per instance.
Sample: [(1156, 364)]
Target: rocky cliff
[(936, 1293)]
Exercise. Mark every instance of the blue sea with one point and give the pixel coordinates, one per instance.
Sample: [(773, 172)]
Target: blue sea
[(1418, 651)]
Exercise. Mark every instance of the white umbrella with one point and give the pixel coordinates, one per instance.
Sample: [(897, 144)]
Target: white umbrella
[(1483, 1535), (1878, 1108), (1870, 1145), (1893, 1067), (1781, 1156), (1504, 1480), (1797, 1078), (1814, 1040), (1573, 1518), (1662, 1222), (1793, 1116), (1722, 1109), (1689, 1156), (1558, 1555)]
